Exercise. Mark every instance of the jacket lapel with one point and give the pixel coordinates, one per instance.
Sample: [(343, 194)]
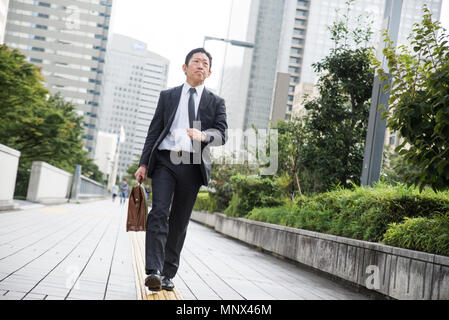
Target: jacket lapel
[(175, 96), (204, 102)]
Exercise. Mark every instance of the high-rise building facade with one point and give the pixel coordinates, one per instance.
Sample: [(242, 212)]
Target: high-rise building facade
[(134, 77), (277, 28), (289, 36), (293, 38), (264, 61), (3, 13), (318, 43), (321, 14), (68, 40)]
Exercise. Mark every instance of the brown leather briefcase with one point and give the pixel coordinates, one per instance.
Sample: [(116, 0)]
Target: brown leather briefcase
[(137, 209)]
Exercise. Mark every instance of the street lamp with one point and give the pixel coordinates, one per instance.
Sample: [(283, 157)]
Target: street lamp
[(232, 42), (374, 144)]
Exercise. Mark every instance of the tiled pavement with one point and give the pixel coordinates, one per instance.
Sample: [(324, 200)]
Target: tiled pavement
[(82, 251)]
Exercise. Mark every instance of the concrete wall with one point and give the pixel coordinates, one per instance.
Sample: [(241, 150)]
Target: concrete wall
[(9, 162), (48, 184), (394, 272)]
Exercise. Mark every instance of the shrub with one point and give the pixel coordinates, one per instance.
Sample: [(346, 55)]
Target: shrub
[(270, 215), (251, 192), (367, 214), (222, 195), (421, 233), (205, 203)]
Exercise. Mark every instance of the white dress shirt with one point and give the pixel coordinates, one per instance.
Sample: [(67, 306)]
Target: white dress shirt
[(177, 138)]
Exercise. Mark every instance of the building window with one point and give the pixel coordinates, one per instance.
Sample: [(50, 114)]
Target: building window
[(35, 60), (293, 69), (300, 22), (303, 3), (392, 140), (297, 41), (295, 60), (296, 51), (299, 32), (300, 12)]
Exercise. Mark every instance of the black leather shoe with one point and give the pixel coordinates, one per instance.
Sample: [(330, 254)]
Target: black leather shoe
[(153, 281), (167, 284)]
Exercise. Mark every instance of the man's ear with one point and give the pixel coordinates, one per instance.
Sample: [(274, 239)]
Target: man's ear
[(184, 68)]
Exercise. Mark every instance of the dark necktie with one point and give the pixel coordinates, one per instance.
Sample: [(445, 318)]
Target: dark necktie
[(191, 107)]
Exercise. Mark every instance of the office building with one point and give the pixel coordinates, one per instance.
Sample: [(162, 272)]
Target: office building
[(134, 77), (3, 13), (289, 36), (68, 40), (318, 41), (105, 152)]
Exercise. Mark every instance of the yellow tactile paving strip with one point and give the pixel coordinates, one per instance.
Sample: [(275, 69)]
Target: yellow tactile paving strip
[(138, 250)]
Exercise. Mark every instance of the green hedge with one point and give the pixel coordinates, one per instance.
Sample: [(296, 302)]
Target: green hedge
[(423, 234), (250, 192), (205, 202), (367, 214)]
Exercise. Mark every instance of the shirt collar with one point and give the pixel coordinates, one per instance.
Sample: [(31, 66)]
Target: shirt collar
[(199, 89)]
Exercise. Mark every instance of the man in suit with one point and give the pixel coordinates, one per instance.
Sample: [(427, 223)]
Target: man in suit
[(188, 120)]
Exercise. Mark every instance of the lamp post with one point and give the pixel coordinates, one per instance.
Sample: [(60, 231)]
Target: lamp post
[(232, 42), (374, 144), (113, 177)]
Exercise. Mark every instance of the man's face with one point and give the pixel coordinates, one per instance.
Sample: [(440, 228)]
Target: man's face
[(198, 69)]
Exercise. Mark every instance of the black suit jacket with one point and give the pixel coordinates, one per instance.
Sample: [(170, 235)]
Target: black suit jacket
[(211, 113)]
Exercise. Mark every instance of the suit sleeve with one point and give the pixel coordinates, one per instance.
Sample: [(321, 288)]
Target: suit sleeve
[(218, 133), (155, 129)]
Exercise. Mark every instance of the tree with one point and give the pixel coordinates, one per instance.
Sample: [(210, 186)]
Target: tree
[(337, 119), (42, 127), (220, 182), (395, 168), (292, 138), (419, 102)]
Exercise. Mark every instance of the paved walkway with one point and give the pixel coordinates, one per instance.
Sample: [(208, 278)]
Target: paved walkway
[(82, 251), (70, 251)]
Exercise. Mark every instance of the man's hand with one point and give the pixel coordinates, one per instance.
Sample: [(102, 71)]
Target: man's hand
[(141, 173), (196, 134)]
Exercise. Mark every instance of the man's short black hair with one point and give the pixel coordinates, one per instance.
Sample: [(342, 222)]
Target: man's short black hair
[(201, 50)]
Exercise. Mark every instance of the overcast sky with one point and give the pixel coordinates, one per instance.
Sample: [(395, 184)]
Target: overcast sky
[(171, 28)]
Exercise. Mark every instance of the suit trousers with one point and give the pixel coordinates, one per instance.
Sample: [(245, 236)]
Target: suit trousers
[(175, 189)]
